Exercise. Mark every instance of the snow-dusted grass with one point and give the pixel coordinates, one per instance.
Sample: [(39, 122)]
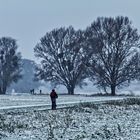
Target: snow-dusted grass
[(115, 120)]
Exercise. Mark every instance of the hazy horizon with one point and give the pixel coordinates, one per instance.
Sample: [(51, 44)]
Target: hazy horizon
[(28, 21)]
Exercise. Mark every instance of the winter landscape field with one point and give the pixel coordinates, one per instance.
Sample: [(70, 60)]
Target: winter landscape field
[(80, 118), (85, 55)]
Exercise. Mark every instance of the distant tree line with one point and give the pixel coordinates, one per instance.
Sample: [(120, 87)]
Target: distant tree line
[(106, 52)]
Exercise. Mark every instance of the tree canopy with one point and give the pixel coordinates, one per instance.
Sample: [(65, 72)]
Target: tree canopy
[(62, 57)]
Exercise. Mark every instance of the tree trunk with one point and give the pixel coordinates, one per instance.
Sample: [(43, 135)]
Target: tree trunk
[(0, 91), (113, 89), (70, 90), (4, 90)]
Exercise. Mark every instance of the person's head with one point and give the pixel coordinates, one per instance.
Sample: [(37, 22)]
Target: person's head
[(53, 90)]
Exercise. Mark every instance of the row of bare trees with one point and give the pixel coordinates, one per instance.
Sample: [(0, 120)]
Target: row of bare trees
[(106, 52)]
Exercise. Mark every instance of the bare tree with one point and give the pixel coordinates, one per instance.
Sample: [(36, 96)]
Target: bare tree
[(9, 63), (116, 62), (62, 57)]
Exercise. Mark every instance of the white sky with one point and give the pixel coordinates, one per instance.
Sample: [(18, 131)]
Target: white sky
[(29, 20)]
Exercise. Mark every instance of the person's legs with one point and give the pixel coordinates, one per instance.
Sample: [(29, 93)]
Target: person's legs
[(53, 103)]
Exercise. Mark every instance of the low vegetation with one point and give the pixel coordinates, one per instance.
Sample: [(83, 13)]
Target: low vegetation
[(113, 120)]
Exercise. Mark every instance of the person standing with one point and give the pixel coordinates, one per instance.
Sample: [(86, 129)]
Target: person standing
[(53, 96)]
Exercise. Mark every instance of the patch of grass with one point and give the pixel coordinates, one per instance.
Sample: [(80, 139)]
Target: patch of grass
[(88, 105), (128, 101)]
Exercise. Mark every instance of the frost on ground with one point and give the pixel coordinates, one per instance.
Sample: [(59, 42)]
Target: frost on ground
[(26, 100), (115, 120)]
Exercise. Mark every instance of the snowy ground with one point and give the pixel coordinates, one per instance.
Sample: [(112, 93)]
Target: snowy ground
[(9, 101), (116, 120), (23, 103)]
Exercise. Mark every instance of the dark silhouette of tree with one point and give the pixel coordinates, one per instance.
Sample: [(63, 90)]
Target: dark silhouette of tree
[(62, 58), (115, 63), (9, 63)]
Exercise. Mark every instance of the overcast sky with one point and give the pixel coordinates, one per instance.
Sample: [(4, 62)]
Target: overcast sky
[(28, 20)]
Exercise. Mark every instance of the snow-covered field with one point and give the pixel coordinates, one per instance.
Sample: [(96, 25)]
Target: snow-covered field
[(115, 120), (26, 100)]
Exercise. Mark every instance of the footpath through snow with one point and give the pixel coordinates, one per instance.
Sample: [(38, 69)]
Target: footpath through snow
[(61, 104)]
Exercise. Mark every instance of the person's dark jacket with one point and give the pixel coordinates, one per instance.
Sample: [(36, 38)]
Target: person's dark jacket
[(53, 94)]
